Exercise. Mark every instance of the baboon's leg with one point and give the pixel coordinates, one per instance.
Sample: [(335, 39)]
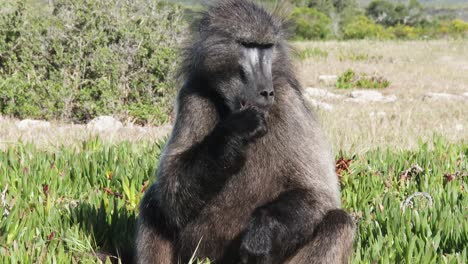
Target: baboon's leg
[(152, 247), (278, 229), (332, 242)]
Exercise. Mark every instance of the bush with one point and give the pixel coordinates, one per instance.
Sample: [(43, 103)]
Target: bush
[(354, 56), (80, 59), (349, 15), (386, 13), (403, 32), (364, 28), (307, 53), (381, 11), (350, 79), (310, 24), (458, 28)]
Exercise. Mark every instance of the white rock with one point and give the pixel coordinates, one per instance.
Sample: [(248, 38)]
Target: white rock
[(320, 105), (104, 123), (368, 95), (390, 98), (459, 127), (321, 93), (444, 96), (365, 96), (465, 94), (31, 123), (328, 79)]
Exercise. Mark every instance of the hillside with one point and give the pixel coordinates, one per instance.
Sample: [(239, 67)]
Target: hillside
[(424, 2)]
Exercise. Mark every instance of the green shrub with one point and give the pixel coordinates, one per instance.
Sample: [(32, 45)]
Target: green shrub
[(349, 15), (458, 28), (311, 53), (364, 28), (346, 80), (386, 13), (79, 59), (381, 11), (349, 79), (372, 82), (310, 24), (356, 56), (403, 32), (455, 28)]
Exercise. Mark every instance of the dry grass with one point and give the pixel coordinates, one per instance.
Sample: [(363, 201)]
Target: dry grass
[(59, 134), (413, 67), (358, 128)]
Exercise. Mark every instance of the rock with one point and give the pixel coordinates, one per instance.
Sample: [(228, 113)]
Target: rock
[(104, 123), (367, 95), (364, 96), (321, 93), (320, 105), (444, 96), (389, 99), (465, 94), (31, 124), (459, 127), (328, 80)]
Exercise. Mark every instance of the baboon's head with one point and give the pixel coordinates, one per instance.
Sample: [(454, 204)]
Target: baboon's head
[(235, 50)]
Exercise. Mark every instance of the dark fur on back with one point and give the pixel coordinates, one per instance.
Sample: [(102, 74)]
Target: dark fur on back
[(246, 183)]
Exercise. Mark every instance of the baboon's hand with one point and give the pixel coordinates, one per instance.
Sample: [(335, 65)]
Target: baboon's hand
[(248, 123), (257, 243)]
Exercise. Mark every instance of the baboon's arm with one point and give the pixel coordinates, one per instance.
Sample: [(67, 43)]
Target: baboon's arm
[(187, 180)]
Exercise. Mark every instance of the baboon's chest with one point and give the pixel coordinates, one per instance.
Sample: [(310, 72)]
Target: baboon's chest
[(224, 218), (258, 182), (260, 179)]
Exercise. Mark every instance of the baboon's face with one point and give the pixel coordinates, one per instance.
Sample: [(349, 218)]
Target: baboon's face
[(256, 83), (245, 79)]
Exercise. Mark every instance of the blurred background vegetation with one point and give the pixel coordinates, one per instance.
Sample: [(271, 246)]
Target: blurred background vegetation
[(372, 19), (73, 60)]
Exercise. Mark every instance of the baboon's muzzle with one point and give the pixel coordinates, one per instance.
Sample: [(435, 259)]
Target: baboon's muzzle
[(257, 66)]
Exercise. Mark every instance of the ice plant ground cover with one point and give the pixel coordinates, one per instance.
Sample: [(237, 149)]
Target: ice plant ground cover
[(80, 204)]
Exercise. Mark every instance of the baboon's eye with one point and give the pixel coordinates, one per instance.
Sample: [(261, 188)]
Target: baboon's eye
[(251, 45)]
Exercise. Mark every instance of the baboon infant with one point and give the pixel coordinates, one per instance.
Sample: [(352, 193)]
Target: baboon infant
[(246, 174)]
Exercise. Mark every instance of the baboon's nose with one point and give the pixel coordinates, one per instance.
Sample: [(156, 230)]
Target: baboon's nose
[(267, 94), (266, 98)]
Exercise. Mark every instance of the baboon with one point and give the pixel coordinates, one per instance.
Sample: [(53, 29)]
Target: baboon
[(246, 175)]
